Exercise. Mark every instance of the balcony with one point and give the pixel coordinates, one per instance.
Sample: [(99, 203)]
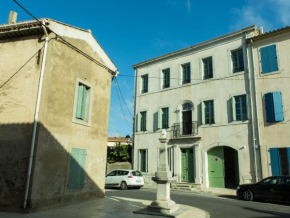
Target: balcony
[(184, 130)]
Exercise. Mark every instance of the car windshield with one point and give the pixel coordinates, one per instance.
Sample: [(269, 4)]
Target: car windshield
[(136, 173)]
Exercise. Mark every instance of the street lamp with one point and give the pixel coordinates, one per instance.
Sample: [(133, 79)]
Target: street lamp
[(128, 139)]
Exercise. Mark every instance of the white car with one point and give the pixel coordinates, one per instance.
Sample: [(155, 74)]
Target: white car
[(124, 179)]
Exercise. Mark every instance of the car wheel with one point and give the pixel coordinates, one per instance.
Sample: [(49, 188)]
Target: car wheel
[(124, 186), (248, 195)]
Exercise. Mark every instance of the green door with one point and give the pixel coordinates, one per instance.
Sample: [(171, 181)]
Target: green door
[(216, 171), (187, 165)]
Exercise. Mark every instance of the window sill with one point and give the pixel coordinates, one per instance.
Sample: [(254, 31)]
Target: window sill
[(270, 73), (238, 73), (239, 122), (81, 122)]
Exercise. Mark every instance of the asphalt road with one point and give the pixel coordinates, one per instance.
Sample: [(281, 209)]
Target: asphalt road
[(217, 207)]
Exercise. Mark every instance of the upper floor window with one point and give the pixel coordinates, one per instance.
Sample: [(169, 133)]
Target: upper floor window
[(240, 108), (186, 73), (238, 60), (144, 83), (165, 117), (269, 61), (82, 102), (143, 121), (208, 112), (166, 78), (207, 68), (274, 107)]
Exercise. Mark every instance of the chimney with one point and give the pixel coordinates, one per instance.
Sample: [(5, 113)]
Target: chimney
[(117, 134), (261, 30), (12, 17)]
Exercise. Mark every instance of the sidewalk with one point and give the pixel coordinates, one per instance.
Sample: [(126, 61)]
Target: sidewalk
[(103, 208)]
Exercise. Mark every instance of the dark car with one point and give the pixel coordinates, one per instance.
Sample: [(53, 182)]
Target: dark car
[(276, 188)]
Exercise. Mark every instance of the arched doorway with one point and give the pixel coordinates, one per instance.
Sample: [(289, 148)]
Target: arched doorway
[(223, 167), (187, 119)]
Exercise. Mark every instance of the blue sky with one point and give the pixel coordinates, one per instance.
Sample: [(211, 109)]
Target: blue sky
[(132, 31)]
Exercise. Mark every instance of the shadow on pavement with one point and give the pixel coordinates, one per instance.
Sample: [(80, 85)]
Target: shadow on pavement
[(268, 212)]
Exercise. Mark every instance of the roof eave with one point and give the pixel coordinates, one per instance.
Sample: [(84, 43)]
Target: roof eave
[(196, 46)]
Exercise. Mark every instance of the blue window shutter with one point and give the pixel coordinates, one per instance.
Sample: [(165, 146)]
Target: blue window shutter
[(79, 101), (278, 106), (270, 117), (84, 103), (275, 162), (288, 152), (269, 59)]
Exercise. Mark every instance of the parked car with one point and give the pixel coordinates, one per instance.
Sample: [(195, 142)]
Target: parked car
[(276, 188), (124, 179)]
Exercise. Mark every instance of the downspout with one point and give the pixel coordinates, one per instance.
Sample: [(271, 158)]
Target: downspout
[(256, 111), (252, 120), (134, 119), (36, 115)]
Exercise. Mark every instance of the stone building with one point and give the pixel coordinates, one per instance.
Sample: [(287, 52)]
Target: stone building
[(271, 73), (201, 96), (55, 85)]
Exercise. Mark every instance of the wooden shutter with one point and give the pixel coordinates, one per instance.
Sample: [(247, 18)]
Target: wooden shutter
[(202, 113), (269, 107), (275, 161), (278, 106), (233, 108), (288, 152), (146, 160), (84, 102), (159, 118), (77, 168), (138, 122), (79, 101), (269, 59)]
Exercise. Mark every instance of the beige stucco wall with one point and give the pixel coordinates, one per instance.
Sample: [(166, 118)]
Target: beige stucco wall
[(273, 135), (221, 88), (19, 78), (58, 134)]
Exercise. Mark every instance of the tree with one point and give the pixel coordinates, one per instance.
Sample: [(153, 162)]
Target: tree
[(119, 153)]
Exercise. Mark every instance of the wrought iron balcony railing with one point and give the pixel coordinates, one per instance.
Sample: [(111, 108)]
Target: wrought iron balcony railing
[(185, 129)]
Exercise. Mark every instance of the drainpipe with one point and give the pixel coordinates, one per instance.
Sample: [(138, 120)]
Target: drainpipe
[(36, 116), (256, 113), (134, 119)]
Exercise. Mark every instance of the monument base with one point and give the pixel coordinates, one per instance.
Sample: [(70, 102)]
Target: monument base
[(164, 210)]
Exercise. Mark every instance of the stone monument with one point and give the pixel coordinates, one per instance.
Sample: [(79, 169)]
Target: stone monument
[(163, 178)]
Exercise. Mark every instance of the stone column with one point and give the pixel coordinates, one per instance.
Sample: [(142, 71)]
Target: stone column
[(163, 178)]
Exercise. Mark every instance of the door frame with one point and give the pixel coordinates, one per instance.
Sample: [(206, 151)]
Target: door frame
[(239, 149)]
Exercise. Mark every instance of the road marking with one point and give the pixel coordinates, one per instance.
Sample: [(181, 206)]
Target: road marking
[(112, 199)]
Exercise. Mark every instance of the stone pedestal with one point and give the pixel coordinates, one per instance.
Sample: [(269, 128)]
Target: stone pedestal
[(163, 178)]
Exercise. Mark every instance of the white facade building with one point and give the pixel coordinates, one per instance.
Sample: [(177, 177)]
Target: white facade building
[(201, 96)]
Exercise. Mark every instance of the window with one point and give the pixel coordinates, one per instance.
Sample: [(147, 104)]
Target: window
[(280, 161), (240, 108), (208, 112), (274, 107), (238, 60), (82, 102), (144, 84), (207, 68), (112, 173), (269, 61), (77, 168), (186, 73), (163, 118), (142, 121), (143, 160), (269, 181), (166, 78)]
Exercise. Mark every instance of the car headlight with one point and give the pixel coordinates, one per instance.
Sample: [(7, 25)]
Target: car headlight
[(238, 187)]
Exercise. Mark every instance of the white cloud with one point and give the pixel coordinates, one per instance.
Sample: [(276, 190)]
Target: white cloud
[(161, 43), (250, 15), (188, 3), (283, 10)]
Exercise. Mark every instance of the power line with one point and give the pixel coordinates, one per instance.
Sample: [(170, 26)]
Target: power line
[(122, 107), (172, 78), (66, 42), (116, 81)]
